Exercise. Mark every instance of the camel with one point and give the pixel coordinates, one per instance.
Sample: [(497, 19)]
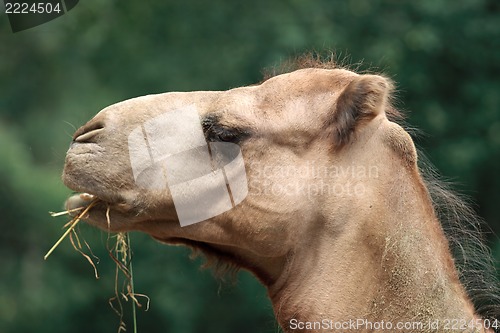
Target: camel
[(339, 222)]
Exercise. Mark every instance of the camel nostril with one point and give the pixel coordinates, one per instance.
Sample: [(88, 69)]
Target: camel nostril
[(88, 135), (85, 133)]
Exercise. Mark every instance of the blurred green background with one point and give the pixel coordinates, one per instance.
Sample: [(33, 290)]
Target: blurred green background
[(444, 56)]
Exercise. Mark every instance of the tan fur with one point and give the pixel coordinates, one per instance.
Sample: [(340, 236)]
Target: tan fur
[(401, 143), (361, 241)]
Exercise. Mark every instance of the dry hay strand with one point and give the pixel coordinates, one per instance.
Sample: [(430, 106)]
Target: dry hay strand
[(73, 236), (120, 252)]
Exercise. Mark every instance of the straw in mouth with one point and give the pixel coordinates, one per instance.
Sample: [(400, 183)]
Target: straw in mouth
[(78, 206)]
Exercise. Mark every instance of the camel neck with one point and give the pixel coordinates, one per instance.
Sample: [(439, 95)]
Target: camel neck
[(387, 261)]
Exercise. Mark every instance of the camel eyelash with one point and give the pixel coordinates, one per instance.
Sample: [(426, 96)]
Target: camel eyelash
[(214, 131)]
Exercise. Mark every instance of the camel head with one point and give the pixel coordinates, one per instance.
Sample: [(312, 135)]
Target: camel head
[(294, 133)]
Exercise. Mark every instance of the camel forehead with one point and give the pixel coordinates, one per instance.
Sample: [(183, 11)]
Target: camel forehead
[(292, 94), (312, 77)]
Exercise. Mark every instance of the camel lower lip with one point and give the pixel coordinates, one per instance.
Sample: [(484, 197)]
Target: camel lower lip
[(82, 200), (79, 200)]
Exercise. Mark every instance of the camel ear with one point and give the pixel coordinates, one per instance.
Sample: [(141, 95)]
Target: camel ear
[(363, 99)]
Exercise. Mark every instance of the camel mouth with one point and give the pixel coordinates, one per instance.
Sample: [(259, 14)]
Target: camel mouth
[(110, 216), (82, 200), (79, 200)]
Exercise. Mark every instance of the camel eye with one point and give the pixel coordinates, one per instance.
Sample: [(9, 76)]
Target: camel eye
[(226, 136), (222, 134), (215, 131)]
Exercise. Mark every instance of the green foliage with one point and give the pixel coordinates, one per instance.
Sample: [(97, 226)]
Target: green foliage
[(444, 56)]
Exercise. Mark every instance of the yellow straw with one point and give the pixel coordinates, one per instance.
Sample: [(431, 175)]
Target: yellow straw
[(71, 227)]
